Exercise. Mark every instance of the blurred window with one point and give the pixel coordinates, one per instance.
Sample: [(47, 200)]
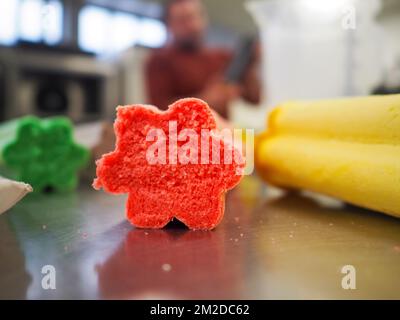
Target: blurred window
[(104, 31), (124, 31), (30, 14), (8, 25), (53, 22), (100, 30), (31, 20), (94, 25), (152, 33)]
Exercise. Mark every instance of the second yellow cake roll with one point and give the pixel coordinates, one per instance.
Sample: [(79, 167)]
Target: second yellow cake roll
[(345, 148)]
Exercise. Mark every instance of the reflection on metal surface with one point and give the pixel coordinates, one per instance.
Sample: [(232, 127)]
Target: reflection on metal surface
[(14, 280), (170, 264), (265, 248), (305, 245), (175, 262)]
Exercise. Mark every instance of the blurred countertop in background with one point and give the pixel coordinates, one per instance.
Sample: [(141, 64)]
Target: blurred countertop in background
[(82, 58)]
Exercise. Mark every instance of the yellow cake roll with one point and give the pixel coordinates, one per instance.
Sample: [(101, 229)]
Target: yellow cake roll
[(346, 148)]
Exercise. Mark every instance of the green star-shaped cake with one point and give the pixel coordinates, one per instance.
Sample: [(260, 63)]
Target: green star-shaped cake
[(44, 154)]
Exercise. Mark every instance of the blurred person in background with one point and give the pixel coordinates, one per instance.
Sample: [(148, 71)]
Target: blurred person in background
[(186, 67)]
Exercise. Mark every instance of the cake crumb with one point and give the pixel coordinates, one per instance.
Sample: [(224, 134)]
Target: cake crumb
[(166, 267), (44, 227)]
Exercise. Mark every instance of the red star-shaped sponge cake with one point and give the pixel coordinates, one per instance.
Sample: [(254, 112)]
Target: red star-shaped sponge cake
[(169, 165)]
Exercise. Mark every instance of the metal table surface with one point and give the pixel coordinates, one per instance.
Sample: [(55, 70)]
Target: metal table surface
[(265, 248)]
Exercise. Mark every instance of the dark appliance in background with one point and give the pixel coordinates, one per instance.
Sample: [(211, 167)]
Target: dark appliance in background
[(391, 80), (2, 91), (244, 53), (384, 90), (52, 83), (50, 93)]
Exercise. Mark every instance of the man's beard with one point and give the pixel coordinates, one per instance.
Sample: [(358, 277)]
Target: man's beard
[(189, 44)]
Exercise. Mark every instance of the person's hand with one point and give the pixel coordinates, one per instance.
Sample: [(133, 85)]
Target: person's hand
[(218, 95)]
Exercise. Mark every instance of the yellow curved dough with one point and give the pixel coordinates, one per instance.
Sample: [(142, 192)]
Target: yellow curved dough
[(345, 148)]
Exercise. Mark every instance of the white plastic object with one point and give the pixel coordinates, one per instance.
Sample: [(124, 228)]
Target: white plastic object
[(11, 192), (316, 49)]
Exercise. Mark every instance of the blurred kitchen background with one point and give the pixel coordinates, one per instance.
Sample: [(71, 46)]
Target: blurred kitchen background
[(82, 58)]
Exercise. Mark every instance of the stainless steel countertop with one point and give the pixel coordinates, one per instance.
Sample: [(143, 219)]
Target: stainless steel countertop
[(265, 248)]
